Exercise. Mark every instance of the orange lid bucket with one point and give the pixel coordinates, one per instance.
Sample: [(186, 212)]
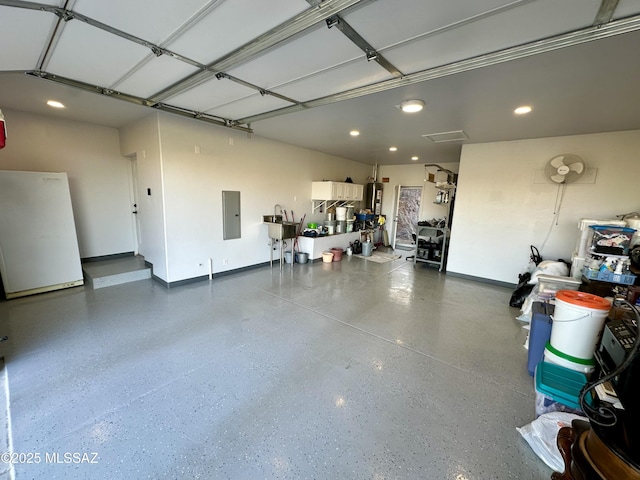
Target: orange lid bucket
[(583, 299)]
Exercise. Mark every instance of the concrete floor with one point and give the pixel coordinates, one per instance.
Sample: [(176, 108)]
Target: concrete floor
[(350, 370)]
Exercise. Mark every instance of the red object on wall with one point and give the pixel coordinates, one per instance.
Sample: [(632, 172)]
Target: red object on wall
[(3, 131)]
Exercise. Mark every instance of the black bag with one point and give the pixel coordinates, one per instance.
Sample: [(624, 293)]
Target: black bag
[(522, 291), (356, 247)]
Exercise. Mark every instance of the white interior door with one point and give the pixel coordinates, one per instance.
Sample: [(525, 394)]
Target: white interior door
[(406, 215), (394, 227)]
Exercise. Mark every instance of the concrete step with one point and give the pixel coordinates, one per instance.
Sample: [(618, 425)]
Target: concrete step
[(106, 273)]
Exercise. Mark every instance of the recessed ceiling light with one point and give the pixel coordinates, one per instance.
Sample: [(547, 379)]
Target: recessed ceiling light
[(393, 149), (412, 106), (55, 104), (522, 110), (354, 133), (414, 158)]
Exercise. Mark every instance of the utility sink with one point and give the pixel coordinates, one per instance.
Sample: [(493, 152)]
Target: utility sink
[(272, 218), (279, 229)]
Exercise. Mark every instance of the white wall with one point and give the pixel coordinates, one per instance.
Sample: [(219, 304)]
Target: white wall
[(500, 211), (98, 174), (141, 141), (413, 176), (264, 171)]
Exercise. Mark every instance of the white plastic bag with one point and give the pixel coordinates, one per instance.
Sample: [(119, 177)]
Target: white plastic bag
[(541, 436), (549, 267)]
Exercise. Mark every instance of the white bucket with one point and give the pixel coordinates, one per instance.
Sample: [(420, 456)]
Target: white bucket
[(578, 319), (560, 359), (341, 213)]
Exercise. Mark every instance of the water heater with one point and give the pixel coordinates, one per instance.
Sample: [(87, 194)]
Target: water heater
[(373, 198)]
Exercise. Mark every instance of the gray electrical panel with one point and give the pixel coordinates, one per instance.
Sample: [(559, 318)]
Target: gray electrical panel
[(230, 215)]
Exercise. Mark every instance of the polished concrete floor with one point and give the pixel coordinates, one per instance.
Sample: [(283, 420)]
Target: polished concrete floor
[(350, 370)]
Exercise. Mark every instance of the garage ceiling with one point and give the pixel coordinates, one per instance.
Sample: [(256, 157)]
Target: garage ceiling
[(308, 72)]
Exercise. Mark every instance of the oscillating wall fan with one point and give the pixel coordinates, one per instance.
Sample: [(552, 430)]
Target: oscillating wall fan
[(566, 168)]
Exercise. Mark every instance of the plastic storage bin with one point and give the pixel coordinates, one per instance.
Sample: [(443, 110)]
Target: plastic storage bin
[(553, 283), (611, 239), (558, 389), (584, 239), (610, 277)]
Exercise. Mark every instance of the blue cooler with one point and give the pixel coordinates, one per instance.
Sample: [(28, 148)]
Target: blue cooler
[(539, 333)]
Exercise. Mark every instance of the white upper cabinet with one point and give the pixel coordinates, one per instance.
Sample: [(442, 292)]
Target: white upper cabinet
[(357, 191), (336, 191)]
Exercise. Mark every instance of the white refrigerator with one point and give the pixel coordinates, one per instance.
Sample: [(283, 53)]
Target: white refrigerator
[(38, 243)]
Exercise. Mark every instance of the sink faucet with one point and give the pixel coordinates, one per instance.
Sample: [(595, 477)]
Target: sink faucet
[(275, 209)]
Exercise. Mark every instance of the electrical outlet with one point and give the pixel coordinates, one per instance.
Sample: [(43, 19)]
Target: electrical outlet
[(225, 261)]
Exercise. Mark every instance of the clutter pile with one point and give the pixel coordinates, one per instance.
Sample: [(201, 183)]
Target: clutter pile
[(583, 349)]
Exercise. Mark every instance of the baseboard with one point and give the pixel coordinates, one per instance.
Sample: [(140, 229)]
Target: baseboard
[(201, 278), (483, 280)]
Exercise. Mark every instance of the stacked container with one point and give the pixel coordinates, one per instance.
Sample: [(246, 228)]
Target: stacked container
[(558, 389), (584, 243), (578, 320), (608, 256), (331, 226)]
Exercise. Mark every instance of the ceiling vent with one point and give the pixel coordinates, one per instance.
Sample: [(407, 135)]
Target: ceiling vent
[(443, 137)]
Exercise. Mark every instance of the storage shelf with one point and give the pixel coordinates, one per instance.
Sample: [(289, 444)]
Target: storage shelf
[(441, 236), (326, 204)]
